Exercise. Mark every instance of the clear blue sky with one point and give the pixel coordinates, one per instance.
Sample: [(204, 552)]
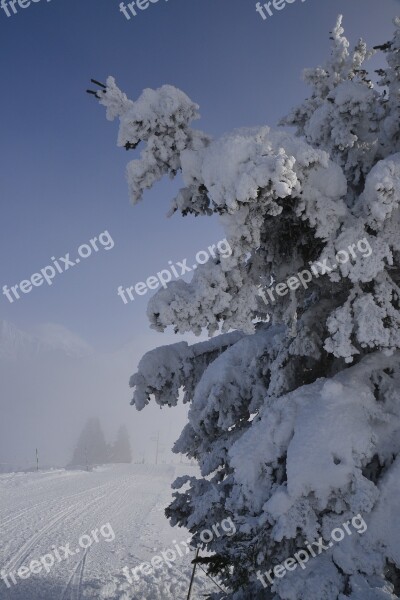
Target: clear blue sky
[(62, 176)]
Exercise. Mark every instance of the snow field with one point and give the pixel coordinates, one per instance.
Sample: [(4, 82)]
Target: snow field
[(43, 512)]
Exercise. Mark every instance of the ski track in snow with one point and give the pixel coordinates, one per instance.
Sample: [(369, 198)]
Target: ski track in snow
[(42, 510), (73, 589)]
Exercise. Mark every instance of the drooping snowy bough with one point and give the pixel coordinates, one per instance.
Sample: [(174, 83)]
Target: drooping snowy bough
[(294, 406)]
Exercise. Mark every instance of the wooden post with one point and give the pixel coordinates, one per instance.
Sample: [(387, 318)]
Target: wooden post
[(37, 460), (192, 578)]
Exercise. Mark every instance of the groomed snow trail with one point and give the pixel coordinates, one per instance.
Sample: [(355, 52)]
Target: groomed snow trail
[(42, 512)]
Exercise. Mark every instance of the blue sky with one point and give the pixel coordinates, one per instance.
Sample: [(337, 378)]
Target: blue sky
[(62, 178)]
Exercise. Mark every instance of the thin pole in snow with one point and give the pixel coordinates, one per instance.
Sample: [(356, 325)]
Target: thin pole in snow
[(37, 460), (158, 439), (193, 572), (86, 458)]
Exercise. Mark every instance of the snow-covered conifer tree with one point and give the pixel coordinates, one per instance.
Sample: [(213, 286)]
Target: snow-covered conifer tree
[(91, 448), (295, 405), (121, 449)]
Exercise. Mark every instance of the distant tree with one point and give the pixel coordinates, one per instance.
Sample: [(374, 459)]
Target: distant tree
[(121, 451), (91, 448)]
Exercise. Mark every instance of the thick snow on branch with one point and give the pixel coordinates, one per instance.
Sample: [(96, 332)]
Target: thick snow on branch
[(334, 436), (258, 180), (159, 118), (165, 371)]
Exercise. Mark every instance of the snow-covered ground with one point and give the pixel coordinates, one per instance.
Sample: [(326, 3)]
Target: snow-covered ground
[(41, 512)]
